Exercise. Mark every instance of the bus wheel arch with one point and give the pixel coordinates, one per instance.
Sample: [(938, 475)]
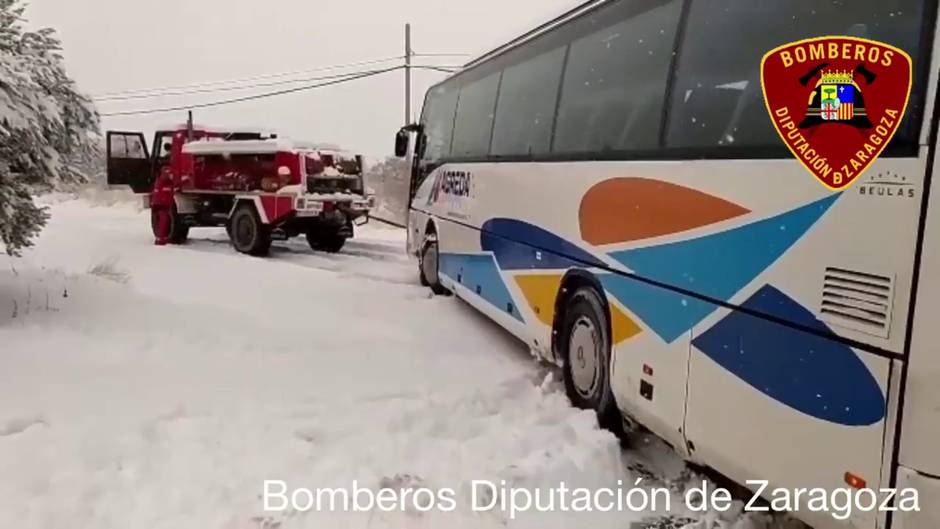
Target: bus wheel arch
[(581, 341), (574, 279)]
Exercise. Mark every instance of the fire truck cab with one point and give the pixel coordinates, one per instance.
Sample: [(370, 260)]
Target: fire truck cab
[(260, 187)]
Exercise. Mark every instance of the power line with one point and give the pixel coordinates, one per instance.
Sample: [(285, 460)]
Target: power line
[(440, 55), (247, 79), (444, 69), (223, 88), (350, 77), (441, 68)]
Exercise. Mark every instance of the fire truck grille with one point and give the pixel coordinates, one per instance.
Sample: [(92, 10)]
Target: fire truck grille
[(332, 185)]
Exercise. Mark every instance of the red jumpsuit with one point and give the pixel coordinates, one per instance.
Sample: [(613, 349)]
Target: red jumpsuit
[(161, 203)]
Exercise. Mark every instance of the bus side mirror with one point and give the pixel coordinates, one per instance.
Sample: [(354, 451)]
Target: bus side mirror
[(401, 143)]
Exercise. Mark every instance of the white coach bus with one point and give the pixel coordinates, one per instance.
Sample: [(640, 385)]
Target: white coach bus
[(610, 189)]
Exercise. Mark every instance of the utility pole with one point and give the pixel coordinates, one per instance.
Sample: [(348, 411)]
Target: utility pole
[(408, 54)]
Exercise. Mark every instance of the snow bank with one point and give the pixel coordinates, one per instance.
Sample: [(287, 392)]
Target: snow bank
[(93, 195), (158, 387)]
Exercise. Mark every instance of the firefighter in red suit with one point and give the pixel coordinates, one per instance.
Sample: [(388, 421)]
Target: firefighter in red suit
[(161, 203)]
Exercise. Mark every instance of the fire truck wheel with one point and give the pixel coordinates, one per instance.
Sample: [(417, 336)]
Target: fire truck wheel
[(180, 235), (179, 232), (325, 242), (334, 243), (248, 234)]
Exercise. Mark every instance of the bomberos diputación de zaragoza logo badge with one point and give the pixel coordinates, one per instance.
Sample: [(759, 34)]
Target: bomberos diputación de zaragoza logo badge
[(836, 102)]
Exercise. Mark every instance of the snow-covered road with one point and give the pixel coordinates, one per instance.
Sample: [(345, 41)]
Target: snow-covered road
[(145, 387)]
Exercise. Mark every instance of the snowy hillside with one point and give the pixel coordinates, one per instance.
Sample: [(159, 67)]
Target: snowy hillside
[(147, 387)]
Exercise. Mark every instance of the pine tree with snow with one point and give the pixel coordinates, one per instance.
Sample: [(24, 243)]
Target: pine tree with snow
[(45, 124)]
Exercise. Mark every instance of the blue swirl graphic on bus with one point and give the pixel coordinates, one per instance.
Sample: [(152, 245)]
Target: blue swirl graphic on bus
[(519, 245), (480, 274), (814, 374), (715, 266)]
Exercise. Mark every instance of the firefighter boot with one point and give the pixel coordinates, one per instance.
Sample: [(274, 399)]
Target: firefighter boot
[(163, 227)]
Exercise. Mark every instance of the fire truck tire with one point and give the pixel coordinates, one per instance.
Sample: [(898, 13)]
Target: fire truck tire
[(334, 243), (325, 242), (179, 232), (248, 234)]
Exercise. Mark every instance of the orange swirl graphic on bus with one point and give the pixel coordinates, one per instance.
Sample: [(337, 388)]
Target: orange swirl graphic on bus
[(629, 209)]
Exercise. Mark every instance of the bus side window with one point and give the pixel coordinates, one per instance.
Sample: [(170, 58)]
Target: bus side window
[(615, 78), (438, 121), (474, 124), (526, 107)]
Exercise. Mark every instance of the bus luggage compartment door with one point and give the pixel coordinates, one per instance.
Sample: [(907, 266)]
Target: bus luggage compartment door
[(928, 491), (920, 434), (798, 410)]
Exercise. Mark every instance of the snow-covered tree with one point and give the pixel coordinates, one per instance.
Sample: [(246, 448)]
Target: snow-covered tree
[(45, 125), (389, 180)]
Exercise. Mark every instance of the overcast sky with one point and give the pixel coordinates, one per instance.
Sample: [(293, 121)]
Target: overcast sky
[(119, 45)]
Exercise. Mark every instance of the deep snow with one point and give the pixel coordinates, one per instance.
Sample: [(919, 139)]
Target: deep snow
[(157, 387)]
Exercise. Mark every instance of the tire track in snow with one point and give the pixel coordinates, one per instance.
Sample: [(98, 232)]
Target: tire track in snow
[(18, 425)]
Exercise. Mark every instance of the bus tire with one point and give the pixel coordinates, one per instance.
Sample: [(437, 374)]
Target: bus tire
[(247, 233), (429, 268), (585, 347)]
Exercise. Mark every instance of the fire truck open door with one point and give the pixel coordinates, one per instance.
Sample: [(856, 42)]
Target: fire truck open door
[(129, 161)]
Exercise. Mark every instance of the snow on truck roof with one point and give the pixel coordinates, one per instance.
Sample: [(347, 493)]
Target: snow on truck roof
[(217, 146), (237, 146), (261, 131)]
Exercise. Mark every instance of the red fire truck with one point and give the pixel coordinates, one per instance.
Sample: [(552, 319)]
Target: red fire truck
[(260, 187)]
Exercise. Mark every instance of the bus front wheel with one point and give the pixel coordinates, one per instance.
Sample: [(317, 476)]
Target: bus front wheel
[(429, 268), (586, 348)]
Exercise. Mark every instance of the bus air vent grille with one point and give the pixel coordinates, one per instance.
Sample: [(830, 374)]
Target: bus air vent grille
[(861, 301)]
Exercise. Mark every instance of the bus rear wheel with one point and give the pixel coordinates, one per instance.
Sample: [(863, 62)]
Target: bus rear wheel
[(429, 268), (584, 342)]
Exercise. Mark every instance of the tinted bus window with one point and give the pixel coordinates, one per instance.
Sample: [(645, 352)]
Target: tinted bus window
[(526, 108), (438, 121), (612, 94), (717, 98), (474, 125)]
